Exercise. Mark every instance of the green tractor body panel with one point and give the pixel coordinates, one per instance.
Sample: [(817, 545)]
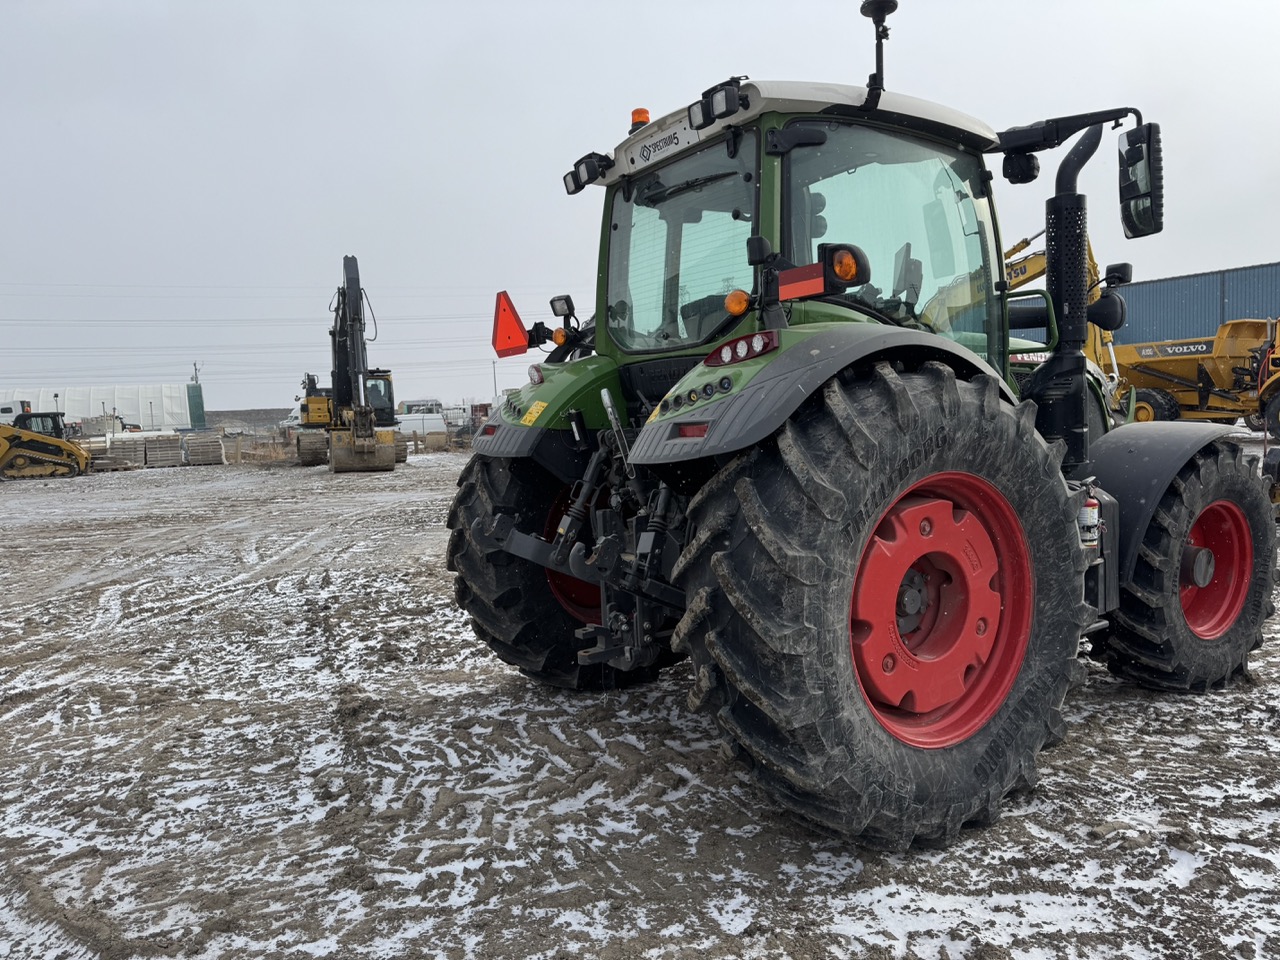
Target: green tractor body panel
[(534, 422), (565, 387), (718, 410)]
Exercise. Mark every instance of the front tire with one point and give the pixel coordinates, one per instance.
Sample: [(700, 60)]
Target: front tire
[(886, 602), (1201, 588)]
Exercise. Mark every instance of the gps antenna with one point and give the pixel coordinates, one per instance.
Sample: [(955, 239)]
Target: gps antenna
[(877, 10)]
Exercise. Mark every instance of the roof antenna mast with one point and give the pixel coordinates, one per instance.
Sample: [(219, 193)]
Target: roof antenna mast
[(877, 10)]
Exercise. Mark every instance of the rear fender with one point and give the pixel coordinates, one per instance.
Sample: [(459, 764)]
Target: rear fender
[(1135, 463), (748, 414), (534, 423)]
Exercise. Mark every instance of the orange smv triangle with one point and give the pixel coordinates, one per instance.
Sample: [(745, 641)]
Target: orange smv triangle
[(509, 335)]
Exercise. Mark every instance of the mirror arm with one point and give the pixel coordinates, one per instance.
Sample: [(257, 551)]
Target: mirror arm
[(1053, 133)]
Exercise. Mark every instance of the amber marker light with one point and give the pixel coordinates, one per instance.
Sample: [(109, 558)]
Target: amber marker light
[(736, 302), (559, 336), (845, 266)]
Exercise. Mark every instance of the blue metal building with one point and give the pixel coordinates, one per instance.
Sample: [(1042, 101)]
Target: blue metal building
[(1179, 308)]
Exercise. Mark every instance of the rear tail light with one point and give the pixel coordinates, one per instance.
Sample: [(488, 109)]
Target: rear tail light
[(743, 348)]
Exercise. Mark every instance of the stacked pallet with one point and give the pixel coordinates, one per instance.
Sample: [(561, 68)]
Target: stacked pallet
[(129, 450), (204, 449), (164, 451), (95, 447)]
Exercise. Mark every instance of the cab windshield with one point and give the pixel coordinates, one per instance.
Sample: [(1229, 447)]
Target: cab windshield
[(920, 212), (378, 394), (678, 245)]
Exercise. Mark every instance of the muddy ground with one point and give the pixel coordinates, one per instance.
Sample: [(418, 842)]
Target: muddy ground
[(242, 717)]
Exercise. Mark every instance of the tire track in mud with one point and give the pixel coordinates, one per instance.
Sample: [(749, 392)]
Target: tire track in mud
[(26, 932)]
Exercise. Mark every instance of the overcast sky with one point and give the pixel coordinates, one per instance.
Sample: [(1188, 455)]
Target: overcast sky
[(182, 179)]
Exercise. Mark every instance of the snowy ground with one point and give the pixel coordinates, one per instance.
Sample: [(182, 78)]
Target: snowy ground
[(243, 718)]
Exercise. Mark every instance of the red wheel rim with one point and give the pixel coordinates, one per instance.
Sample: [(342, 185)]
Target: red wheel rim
[(1223, 529), (580, 599), (941, 610)]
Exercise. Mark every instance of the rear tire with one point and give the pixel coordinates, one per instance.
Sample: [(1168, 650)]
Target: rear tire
[(525, 613), (916, 499), (1169, 633), (1154, 404), (1255, 422)]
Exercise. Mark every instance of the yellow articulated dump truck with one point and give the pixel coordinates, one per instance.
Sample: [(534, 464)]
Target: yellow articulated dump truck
[(1235, 373)]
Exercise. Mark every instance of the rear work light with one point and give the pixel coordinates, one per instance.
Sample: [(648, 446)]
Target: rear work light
[(743, 348)]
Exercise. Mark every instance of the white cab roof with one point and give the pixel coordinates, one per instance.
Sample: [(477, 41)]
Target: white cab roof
[(671, 133)]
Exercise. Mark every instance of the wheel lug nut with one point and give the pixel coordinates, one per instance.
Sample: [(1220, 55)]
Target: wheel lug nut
[(926, 528), (981, 627), (888, 664)]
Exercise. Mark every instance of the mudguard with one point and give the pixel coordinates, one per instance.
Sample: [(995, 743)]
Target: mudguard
[(1135, 464), (533, 422), (741, 419), (555, 450)]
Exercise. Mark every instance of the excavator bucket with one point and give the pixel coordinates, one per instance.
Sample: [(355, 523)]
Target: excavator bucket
[(349, 453)]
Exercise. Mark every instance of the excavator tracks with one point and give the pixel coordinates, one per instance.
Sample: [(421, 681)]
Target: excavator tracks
[(313, 447), (29, 465)]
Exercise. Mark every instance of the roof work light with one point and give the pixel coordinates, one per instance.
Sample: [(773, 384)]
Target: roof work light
[(586, 172), (717, 103)]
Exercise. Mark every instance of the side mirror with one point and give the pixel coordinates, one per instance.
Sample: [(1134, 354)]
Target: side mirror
[(1141, 181)]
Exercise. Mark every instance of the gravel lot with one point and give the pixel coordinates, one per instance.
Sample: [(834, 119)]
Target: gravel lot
[(242, 717)]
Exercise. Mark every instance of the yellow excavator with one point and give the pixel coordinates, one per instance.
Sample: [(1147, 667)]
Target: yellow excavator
[(358, 413), (37, 445)]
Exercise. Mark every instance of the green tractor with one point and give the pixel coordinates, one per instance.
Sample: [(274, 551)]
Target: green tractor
[(790, 446)]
